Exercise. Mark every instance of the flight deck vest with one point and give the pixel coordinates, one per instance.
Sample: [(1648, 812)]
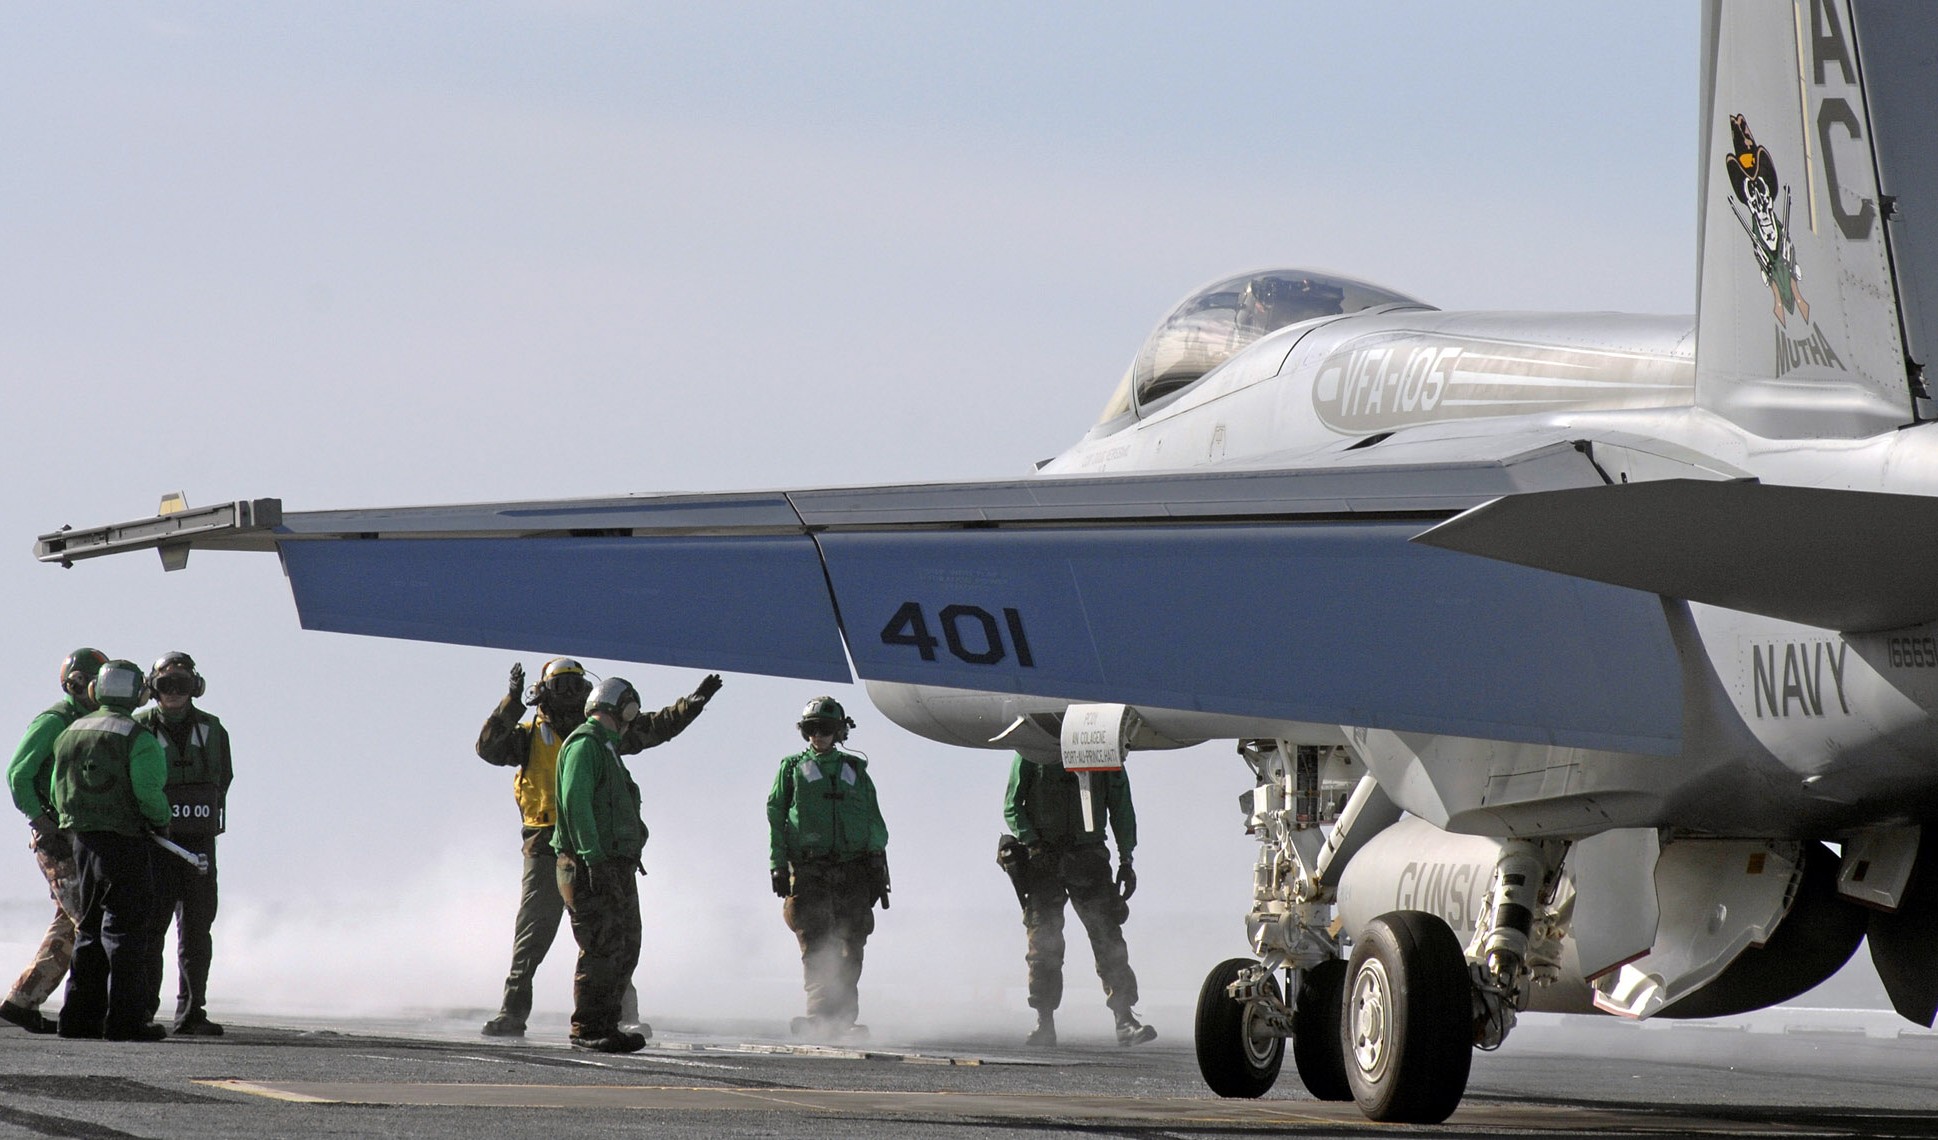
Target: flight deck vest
[(92, 789), (831, 811), (198, 771), (609, 791), (535, 787)]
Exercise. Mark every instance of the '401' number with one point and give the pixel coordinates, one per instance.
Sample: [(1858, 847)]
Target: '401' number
[(971, 633)]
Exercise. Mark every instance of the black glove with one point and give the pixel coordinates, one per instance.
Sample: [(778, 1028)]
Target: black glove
[(709, 685), (782, 881), (878, 868), (1126, 880), (518, 680), (49, 840)]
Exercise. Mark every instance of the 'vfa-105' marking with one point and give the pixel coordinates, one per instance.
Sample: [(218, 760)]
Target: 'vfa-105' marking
[(970, 632), (1788, 677)]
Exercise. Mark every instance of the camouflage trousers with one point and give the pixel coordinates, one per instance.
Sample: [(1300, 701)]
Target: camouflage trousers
[(832, 913), (56, 953), (1081, 876), (606, 924), (540, 910)]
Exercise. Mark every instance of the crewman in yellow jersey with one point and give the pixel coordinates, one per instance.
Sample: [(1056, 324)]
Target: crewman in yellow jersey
[(532, 747)]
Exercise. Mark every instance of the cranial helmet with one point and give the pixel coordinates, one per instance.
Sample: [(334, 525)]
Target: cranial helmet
[(615, 695), (79, 668), (562, 677), (181, 664), (118, 683), (828, 711)]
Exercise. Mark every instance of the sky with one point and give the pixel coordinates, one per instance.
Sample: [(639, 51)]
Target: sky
[(362, 255)]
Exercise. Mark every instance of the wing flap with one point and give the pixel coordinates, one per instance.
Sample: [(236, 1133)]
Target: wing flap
[(1337, 623), (754, 604)]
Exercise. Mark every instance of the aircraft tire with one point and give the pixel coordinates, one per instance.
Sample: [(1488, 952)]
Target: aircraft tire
[(1234, 1062), (1408, 1023), (1319, 1032)]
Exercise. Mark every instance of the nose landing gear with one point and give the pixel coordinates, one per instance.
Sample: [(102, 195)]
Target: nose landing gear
[(1239, 1052)]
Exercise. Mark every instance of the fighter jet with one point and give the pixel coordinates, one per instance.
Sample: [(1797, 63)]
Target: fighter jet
[(1584, 663)]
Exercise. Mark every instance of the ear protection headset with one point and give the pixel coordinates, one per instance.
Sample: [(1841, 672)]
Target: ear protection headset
[(176, 661), (615, 695), (79, 668)]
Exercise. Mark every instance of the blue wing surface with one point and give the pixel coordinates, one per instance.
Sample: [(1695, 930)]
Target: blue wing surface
[(750, 604), (724, 581), (1341, 623), (1285, 593)]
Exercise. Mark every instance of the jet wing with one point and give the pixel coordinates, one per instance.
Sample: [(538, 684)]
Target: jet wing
[(1284, 594)]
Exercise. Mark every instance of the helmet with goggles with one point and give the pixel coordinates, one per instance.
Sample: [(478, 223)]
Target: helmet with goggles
[(174, 675), (563, 677), (826, 715)]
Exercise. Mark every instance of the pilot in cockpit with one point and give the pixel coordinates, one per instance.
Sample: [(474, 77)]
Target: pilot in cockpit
[(1268, 303)]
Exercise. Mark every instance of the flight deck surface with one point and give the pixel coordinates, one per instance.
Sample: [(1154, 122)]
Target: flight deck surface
[(433, 1078)]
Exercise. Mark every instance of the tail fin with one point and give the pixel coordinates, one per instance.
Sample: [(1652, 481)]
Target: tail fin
[(1818, 218)]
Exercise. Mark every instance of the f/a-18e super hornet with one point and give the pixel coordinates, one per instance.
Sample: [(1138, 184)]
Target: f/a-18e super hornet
[(1585, 663)]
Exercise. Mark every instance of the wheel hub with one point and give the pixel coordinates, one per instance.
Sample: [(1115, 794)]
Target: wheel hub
[(1371, 1018), (1260, 1042)]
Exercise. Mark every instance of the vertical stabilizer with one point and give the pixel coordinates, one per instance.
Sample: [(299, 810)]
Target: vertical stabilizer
[(1819, 265)]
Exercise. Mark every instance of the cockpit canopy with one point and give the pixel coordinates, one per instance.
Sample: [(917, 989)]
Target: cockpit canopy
[(1215, 323)]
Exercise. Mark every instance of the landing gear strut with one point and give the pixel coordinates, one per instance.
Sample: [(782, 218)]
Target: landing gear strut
[(1394, 1027), (1244, 1017)]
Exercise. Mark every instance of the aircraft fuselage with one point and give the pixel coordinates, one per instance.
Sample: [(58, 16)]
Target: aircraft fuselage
[(1787, 729)]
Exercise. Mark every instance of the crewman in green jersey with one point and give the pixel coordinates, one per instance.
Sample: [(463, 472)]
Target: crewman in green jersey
[(30, 776), (109, 774), (828, 858)]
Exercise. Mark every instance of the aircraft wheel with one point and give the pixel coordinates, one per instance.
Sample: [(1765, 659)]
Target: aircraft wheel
[(1409, 1030), (1318, 1032), (1236, 1061)]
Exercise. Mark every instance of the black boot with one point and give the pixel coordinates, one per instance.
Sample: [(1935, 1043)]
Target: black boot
[(1129, 1032), (1044, 1035), (32, 1020)]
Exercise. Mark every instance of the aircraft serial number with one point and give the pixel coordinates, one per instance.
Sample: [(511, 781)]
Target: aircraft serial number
[(971, 633), (1914, 653)]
